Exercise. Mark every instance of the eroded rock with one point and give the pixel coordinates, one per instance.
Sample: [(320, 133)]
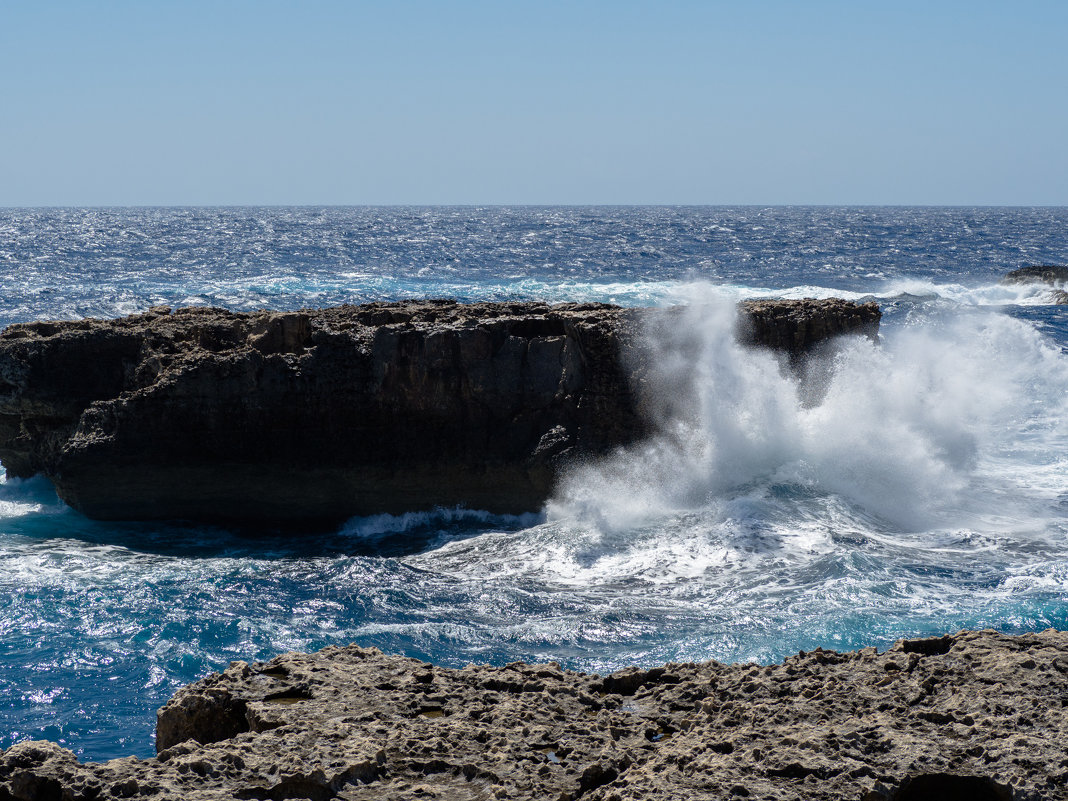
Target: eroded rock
[(979, 716), (314, 416)]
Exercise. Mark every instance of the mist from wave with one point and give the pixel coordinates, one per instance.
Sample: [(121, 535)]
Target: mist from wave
[(906, 428)]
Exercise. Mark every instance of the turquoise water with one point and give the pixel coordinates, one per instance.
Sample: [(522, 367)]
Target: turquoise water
[(926, 490)]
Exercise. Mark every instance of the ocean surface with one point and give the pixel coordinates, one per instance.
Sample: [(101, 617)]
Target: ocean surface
[(922, 489)]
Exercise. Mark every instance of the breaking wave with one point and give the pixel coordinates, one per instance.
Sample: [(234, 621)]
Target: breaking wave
[(956, 422)]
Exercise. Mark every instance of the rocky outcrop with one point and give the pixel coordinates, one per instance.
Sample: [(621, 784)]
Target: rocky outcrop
[(310, 417), (796, 326), (979, 716), (1053, 275), (1038, 274)]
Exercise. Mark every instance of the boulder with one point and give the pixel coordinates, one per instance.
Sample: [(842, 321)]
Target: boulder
[(307, 418), (976, 715)]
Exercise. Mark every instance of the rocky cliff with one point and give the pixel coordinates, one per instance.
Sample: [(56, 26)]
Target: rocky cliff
[(311, 417), (977, 716)]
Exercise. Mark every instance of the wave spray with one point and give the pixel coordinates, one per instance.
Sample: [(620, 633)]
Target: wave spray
[(932, 425)]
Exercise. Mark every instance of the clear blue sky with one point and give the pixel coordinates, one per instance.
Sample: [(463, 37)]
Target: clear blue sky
[(204, 103)]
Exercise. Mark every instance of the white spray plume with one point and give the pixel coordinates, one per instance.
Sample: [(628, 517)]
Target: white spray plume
[(905, 429)]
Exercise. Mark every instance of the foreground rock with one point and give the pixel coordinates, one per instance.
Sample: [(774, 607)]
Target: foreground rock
[(978, 716), (318, 415)]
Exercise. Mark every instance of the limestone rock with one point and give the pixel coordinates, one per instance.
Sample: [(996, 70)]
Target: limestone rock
[(977, 715), (311, 417)]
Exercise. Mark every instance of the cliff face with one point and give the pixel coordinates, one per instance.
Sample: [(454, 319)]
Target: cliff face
[(314, 416), (978, 716)]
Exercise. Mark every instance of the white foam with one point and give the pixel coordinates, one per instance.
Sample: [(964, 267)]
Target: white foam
[(18, 509), (380, 525), (24, 497), (997, 294)]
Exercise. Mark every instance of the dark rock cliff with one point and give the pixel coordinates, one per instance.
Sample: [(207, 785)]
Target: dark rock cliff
[(311, 417), (1038, 274), (976, 716)]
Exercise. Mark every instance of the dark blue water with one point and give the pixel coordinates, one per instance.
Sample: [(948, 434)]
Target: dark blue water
[(927, 491)]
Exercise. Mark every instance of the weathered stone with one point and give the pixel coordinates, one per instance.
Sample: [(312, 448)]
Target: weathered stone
[(978, 715), (1038, 274), (311, 417)]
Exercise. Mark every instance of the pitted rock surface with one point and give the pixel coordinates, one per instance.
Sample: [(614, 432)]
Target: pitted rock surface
[(311, 417), (978, 715)]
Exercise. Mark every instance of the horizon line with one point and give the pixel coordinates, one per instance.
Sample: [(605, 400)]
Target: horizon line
[(529, 205)]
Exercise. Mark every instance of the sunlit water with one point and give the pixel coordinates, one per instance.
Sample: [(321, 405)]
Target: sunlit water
[(913, 485)]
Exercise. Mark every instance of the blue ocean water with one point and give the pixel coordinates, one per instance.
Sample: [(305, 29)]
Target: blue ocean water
[(922, 489)]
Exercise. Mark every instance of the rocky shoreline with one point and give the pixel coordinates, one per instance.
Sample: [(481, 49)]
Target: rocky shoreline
[(308, 418), (980, 716)]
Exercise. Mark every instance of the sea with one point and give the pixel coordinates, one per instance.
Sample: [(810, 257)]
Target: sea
[(922, 489)]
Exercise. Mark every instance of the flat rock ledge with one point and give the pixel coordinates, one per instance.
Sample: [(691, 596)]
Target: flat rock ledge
[(979, 716), (314, 416)]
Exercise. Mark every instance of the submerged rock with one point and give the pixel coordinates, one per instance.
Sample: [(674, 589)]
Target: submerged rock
[(311, 417), (976, 715)]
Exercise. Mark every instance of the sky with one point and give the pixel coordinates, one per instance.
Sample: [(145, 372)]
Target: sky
[(412, 102)]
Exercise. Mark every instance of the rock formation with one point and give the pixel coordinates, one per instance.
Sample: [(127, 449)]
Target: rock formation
[(311, 417), (1038, 274), (1053, 275), (979, 716)]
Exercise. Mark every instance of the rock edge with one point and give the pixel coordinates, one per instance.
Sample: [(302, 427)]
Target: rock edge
[(976, 715)]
